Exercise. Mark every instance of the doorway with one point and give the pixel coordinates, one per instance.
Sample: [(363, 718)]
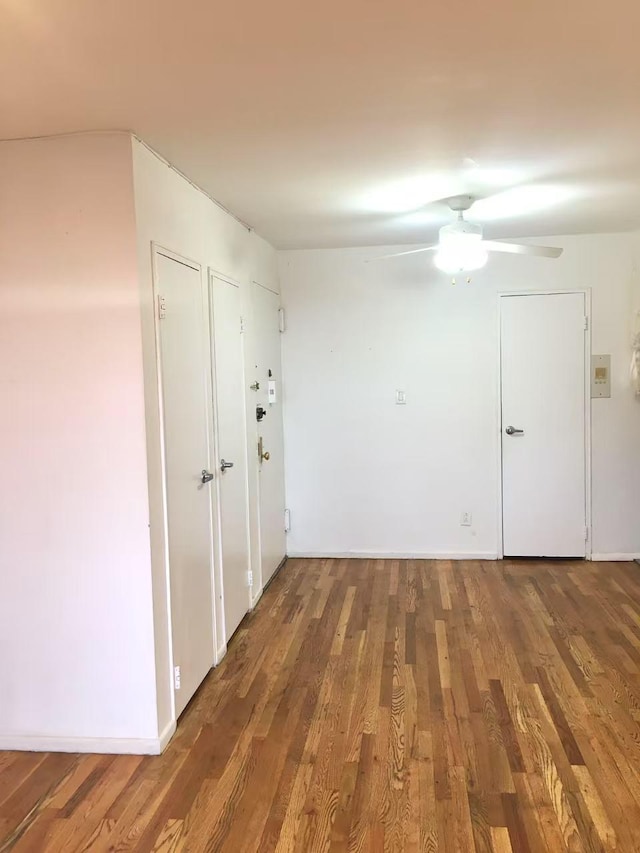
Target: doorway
[(544, 424), (231, 453), (184, 381)]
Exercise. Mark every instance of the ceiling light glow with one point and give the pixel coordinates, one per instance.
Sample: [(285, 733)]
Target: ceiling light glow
[(461, 252), (521, 201)]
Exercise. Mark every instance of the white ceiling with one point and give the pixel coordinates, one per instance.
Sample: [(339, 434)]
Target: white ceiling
[(330, 123)]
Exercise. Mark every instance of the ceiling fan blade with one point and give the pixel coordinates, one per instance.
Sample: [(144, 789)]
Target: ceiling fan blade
[(398, 254), (522, 249)]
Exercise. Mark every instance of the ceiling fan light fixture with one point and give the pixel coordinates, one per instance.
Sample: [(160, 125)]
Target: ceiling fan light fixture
[(460, 251)]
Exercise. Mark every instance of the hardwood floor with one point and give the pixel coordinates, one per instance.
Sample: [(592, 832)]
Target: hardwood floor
[(382, 705)]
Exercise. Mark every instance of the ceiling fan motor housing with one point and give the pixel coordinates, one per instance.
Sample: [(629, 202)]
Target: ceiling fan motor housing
[(460, 228)]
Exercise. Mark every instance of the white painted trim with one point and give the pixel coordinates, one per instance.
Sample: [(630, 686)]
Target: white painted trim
[(587, 424), (499, 531), (179, 259), (155, 251), (225, 277), (220, 653), (392, 555), (586, 292), (257, 598), (615, 558), (217, 575), (266, 287), (101, 745), (166, 734)]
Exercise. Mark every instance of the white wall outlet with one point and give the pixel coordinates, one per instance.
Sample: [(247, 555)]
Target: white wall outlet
[(176, 677), (465, 519), (287, 520), (401, 398), (249, 578)]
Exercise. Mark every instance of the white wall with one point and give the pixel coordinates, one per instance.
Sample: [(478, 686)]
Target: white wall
[(75, 579), (173, 213), (365, 475)]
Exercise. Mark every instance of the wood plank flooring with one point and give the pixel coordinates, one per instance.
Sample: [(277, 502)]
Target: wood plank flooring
[(382, 706)]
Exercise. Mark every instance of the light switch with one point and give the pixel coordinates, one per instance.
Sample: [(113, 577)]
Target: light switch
[(600, 376), (271, 391), (401, 398)]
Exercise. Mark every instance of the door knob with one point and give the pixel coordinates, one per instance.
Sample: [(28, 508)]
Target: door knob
[(206, 476), (511, 430), (263, 455), (224, 465)]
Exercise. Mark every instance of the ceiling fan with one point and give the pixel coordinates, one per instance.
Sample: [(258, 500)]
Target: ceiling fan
[(460, 247)]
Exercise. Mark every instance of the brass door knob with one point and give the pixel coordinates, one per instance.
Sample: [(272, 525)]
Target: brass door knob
[(263, 455)]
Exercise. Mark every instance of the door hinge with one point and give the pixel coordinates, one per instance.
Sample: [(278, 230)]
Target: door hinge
[(586, 323), (162, 307), (249, 578), (281, 320), (176, 677), (242, 327), (287, 520)]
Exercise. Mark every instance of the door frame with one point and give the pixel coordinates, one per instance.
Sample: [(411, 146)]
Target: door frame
[(586, 292), (218, 568), (156, 250)]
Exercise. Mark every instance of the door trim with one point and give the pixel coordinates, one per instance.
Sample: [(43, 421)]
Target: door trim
[(158, 250), (586, 292)]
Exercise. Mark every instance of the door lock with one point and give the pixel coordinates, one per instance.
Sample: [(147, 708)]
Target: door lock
[(260, 413), (224, 465), (255, 386), (206, 476), (511, 430)]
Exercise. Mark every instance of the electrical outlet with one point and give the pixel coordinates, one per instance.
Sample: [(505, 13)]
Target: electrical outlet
[(249, 578), (176, 677), (465, 519)]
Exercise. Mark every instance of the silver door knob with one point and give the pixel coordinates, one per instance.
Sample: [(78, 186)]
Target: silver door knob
[(224, 465), (511, 430), (206, 476)]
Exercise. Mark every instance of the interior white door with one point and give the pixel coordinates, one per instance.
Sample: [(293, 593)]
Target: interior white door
[(184, 360), (543, 425), (231, 451), (271, 496)]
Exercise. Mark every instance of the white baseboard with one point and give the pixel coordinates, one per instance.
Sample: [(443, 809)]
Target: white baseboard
[(615, 558), (220, 653), (103, 745), (255, 600), (166, 734), (392, 555)]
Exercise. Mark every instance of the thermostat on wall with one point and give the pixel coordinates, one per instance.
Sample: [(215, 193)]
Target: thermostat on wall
[(600, 376)]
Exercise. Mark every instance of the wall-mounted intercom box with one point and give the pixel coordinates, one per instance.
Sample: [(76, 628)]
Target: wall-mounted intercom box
[(600, 376)]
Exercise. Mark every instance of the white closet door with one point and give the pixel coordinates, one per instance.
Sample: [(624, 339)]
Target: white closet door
[(231, 451), (184, 364), (543, 425)]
